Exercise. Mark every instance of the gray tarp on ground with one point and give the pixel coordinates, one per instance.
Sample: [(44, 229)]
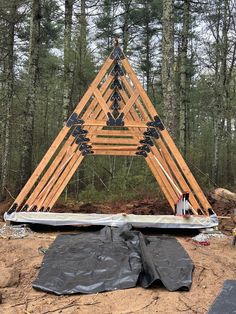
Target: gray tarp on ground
[(225, 303), (114, 220), (111, 259)]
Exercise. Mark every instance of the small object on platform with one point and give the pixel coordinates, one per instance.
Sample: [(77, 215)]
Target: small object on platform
[(183, 207)]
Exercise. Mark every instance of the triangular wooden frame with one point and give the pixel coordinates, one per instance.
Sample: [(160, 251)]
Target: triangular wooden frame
[(94, 128)]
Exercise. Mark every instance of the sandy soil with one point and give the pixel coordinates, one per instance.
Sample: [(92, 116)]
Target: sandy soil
[(213, 264)]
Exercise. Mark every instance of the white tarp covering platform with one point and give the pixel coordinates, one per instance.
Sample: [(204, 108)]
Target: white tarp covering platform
[(115, 220)]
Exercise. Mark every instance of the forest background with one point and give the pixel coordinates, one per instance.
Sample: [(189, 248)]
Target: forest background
[(183, 52)]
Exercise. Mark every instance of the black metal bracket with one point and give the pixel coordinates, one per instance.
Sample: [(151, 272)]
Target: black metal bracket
[(116, 96), (12, 209), (146, 148), (116, 83), (85, 149), (34, 208), (117, 54), (84, 146), (78, 131), (115, 105), (151, 132), (74, 119), (25, 208), (117, 70), (157, 123), (87, 152), (141, 153), (147, 141), (115, 122), (81, 139)]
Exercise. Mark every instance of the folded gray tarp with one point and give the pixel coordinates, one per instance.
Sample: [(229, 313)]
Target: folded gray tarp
[(113, 258), (225, 303)]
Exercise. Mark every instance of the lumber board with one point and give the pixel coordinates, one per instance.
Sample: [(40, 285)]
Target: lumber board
[(102, 102), (51, 170), (114, 153), (56, 143), (116, 147), (118, 140), (161, 184), (112, 133), (67, 176), (135, 117), (144, 113), (41, 166), (176, 172), (39, 200), (136, 124), (161, 176), (185, 169), (130, 102)]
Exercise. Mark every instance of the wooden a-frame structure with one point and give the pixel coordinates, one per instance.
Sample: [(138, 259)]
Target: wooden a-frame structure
[(114, 117)]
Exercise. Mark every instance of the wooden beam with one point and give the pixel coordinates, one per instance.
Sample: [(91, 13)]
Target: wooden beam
[(169, 160), (177, 174), (139, 87), (51, 170), (102, 102), (65, 180), (41, 197), (114, 153), (144, 114), (128, 123), (115, 147), (115, 133), (134, 116), (118, 140), (130, 102), (186, 171), (41, 166), (161, 184)]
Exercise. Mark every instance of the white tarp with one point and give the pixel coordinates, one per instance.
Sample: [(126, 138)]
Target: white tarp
[(115, 220)]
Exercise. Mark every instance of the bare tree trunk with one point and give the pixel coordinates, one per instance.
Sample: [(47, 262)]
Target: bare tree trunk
[(168, 85), (221, 84), (183, 78), (80, 68), (67, 59), (125, 28), (8, 99), (83, 36), (28, 122)]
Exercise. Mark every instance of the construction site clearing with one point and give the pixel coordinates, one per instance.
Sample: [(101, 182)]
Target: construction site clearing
[(179, 266), (21, 260)]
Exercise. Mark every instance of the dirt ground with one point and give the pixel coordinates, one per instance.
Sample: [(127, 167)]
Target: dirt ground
[(213, 265)]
